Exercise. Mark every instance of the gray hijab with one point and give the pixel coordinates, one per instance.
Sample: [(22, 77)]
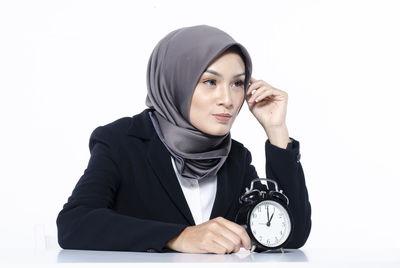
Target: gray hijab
[(174, 68)]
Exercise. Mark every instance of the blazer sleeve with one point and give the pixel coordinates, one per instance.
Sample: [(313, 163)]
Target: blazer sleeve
[(87, 220), (283, 166)]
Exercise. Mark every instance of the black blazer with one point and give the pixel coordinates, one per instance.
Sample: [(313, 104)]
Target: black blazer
[(130, 199)]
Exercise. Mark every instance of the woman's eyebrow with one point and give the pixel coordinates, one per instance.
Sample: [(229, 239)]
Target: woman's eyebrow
[(217, 74)]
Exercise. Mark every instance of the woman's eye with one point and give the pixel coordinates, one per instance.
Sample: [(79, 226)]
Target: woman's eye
[(213, 81), (239, 83)]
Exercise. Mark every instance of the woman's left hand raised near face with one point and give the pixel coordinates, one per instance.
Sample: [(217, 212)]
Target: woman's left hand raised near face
[(271, 105)]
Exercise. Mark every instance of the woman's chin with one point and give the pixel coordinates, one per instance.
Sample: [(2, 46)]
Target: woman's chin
[(217, 131)]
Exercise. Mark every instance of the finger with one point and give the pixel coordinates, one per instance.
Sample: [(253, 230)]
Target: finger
[(254, 85), (274, 94), (227, 243), (264, 91), (268, 92), (269, 97), (217, 248), (238, 230), (227, 234)]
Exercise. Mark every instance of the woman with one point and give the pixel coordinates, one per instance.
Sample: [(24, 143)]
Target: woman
[(169, 178)]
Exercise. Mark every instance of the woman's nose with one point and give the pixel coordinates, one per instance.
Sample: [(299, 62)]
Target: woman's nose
[(225, 96)]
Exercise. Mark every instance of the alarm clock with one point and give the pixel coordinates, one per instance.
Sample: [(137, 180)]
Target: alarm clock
[(266, 216)]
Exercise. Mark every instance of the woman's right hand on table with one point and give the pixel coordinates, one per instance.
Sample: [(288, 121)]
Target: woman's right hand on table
[(218, 235)]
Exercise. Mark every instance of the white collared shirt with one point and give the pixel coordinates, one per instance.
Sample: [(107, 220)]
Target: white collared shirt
[(200, 195)]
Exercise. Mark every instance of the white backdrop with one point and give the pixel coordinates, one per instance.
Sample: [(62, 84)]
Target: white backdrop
[(67, 67)]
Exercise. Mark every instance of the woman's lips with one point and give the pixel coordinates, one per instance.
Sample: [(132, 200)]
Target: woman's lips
[(222, 118)]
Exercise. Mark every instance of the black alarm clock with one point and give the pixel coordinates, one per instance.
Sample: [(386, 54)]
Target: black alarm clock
[(266, 217)]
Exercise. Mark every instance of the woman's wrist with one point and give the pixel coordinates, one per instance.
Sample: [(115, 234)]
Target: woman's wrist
[(278, 135), (175, 243)]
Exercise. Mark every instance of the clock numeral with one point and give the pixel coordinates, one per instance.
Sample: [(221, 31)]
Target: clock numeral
[(281, 232), (268, 243), (284, 224), (259, 209), (254, 215), (276, 239)]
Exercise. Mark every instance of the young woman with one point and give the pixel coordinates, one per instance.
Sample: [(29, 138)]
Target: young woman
[(169, 178)]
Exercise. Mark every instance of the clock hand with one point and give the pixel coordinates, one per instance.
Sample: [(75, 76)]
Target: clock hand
[(269, 219), (267, 212)]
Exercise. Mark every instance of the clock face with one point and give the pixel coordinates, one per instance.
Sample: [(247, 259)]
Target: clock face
[(270, 223)]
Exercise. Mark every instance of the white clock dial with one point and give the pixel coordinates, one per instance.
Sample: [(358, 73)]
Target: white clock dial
[(270, 223)]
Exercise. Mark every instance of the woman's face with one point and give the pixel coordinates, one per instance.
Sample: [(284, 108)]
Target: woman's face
[(220, 90)]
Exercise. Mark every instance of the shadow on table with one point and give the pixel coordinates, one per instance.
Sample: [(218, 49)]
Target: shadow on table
[(71, 256)]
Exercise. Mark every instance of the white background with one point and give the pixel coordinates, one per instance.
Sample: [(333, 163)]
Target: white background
[(67, 67)]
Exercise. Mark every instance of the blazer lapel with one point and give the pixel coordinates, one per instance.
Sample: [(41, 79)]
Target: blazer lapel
[(225, 190), (159, 159)]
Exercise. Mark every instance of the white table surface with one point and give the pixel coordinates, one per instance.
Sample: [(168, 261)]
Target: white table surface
[(292, 257)]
